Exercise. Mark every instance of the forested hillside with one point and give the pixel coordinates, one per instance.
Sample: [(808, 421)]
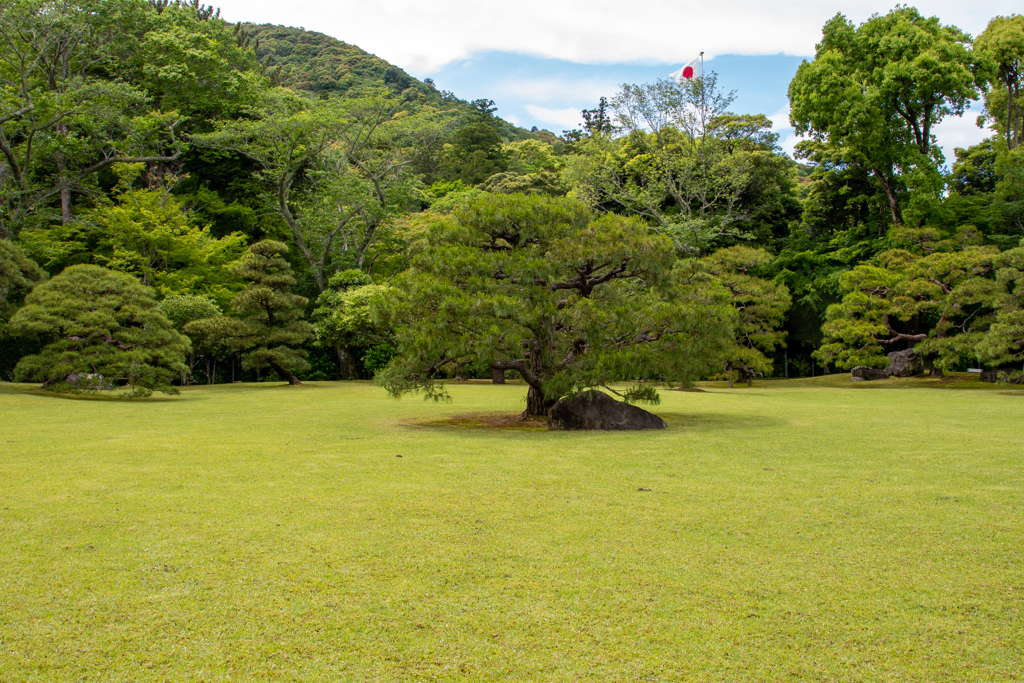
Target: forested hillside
[(317, 63), (312, 61), (219, 166)]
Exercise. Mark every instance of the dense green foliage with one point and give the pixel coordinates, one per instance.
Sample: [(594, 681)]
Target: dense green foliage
[(101, 324), (1001, 51), (313, 62), (18, 275), (568, 300), (307, 60), (344, 321), (760, 305), (874, 93), (335, 169), (157, 140), (870, 101), (148, 233), (1003, 345), (700, 175), (269, 322), (938, 303)]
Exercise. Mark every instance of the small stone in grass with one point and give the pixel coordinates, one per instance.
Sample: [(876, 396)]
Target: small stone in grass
[(642, 489), (398, 456)]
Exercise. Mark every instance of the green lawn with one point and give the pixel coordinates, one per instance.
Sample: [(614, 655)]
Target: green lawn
[(810, 530)]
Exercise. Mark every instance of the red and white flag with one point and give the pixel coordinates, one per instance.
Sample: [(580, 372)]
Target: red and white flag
[(686, 72)]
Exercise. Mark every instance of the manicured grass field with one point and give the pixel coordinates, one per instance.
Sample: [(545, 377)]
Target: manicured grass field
[(811, 530)]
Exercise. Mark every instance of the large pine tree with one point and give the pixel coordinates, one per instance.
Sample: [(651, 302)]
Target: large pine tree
[(569, 300), (102, 324)]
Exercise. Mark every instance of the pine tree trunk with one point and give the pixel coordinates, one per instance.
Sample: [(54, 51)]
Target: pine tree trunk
[(285, 373), (536, 405), (497, 376)]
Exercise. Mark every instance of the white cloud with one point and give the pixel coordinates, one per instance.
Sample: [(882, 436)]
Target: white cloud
[(952, 132), (960, 131), (780, 120), (566, 118), (788, 140), (548, 89), (424, 36)]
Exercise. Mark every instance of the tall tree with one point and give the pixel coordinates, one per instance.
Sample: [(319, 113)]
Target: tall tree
[(474, 154), (598, 121), (61, 123), (877, 91), (337, 169), (1001, 48), (760, 305), (484, 109), (678, 159), (268, 320), (543, 287)]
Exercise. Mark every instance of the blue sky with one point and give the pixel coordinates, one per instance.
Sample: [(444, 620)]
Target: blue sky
[(549, 93), (542, 61)]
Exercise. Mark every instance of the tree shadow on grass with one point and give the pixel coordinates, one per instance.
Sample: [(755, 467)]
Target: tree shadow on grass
[(192, 392), (706, 422), (676, 422), (483, 420), (109, 396), (117, 396)]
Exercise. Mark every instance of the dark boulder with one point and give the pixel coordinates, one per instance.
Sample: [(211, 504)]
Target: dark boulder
[(597, 410), (863, 373), (1004, 375), (904, 363)]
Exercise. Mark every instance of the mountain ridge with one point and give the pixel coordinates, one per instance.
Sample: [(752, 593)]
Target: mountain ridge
[(318, 63)]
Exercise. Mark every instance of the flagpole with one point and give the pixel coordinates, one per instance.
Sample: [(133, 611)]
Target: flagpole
[(702, 87)]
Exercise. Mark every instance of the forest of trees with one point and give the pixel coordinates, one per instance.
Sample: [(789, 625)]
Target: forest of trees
[(187, 200)]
